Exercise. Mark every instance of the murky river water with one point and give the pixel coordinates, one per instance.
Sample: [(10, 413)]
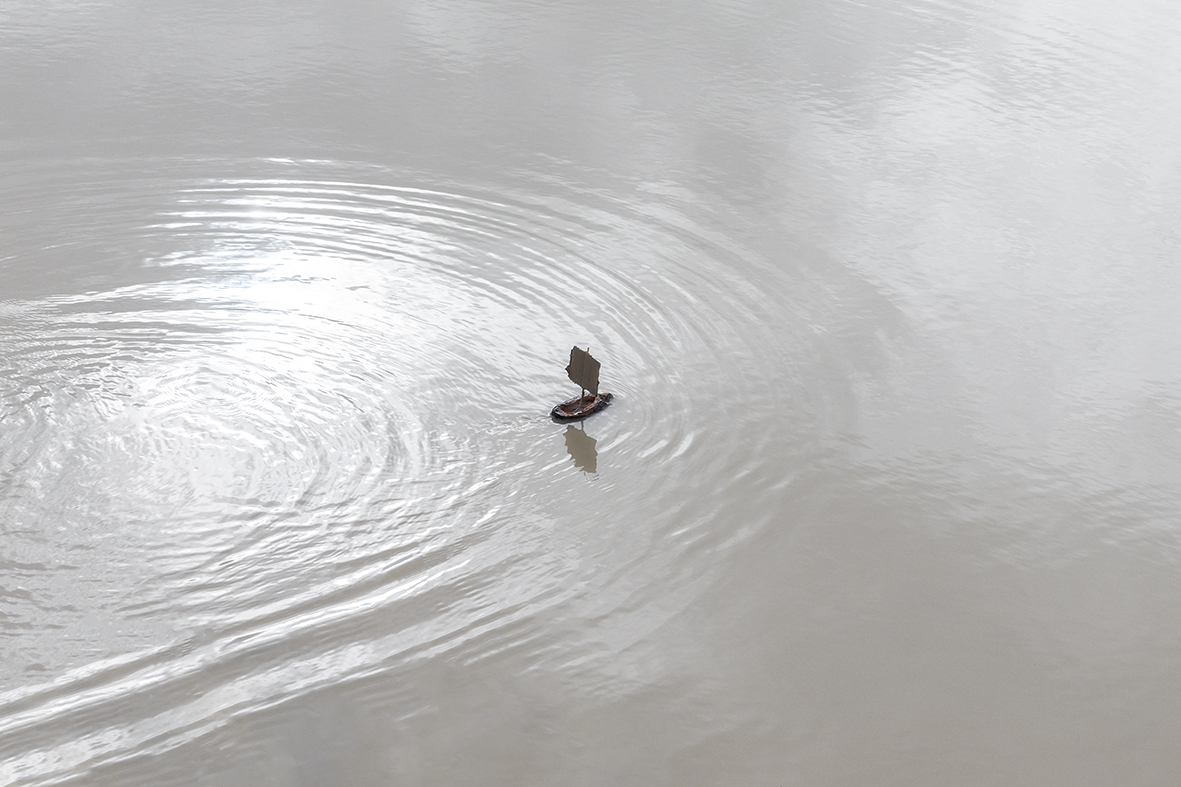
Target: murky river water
[(887, 294)]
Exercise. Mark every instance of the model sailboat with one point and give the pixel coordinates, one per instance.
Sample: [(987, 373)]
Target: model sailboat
[(584, 372)]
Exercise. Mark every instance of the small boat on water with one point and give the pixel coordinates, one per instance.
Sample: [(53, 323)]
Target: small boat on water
[(583, 371)]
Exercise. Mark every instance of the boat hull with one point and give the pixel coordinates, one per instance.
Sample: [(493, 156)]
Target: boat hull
[(580, 407)]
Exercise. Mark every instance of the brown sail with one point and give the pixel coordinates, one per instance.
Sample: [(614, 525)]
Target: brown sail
[(583, 370)]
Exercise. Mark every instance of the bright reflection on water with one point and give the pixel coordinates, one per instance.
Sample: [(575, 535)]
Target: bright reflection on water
[(886, 296)]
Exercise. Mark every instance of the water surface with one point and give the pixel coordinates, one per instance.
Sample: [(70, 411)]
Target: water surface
[(886, 295)]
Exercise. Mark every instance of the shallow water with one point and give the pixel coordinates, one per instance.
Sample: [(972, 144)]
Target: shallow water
[(886, 296)]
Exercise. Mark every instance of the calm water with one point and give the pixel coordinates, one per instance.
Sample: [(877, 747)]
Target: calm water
[(887, 293)]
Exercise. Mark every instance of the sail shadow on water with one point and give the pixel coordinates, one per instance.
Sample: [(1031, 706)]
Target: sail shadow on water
[(582, 449)]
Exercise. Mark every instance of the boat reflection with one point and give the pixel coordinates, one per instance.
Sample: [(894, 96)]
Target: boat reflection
[(581, 448)]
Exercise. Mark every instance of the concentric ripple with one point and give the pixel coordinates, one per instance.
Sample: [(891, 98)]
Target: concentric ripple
[(289, 423)]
